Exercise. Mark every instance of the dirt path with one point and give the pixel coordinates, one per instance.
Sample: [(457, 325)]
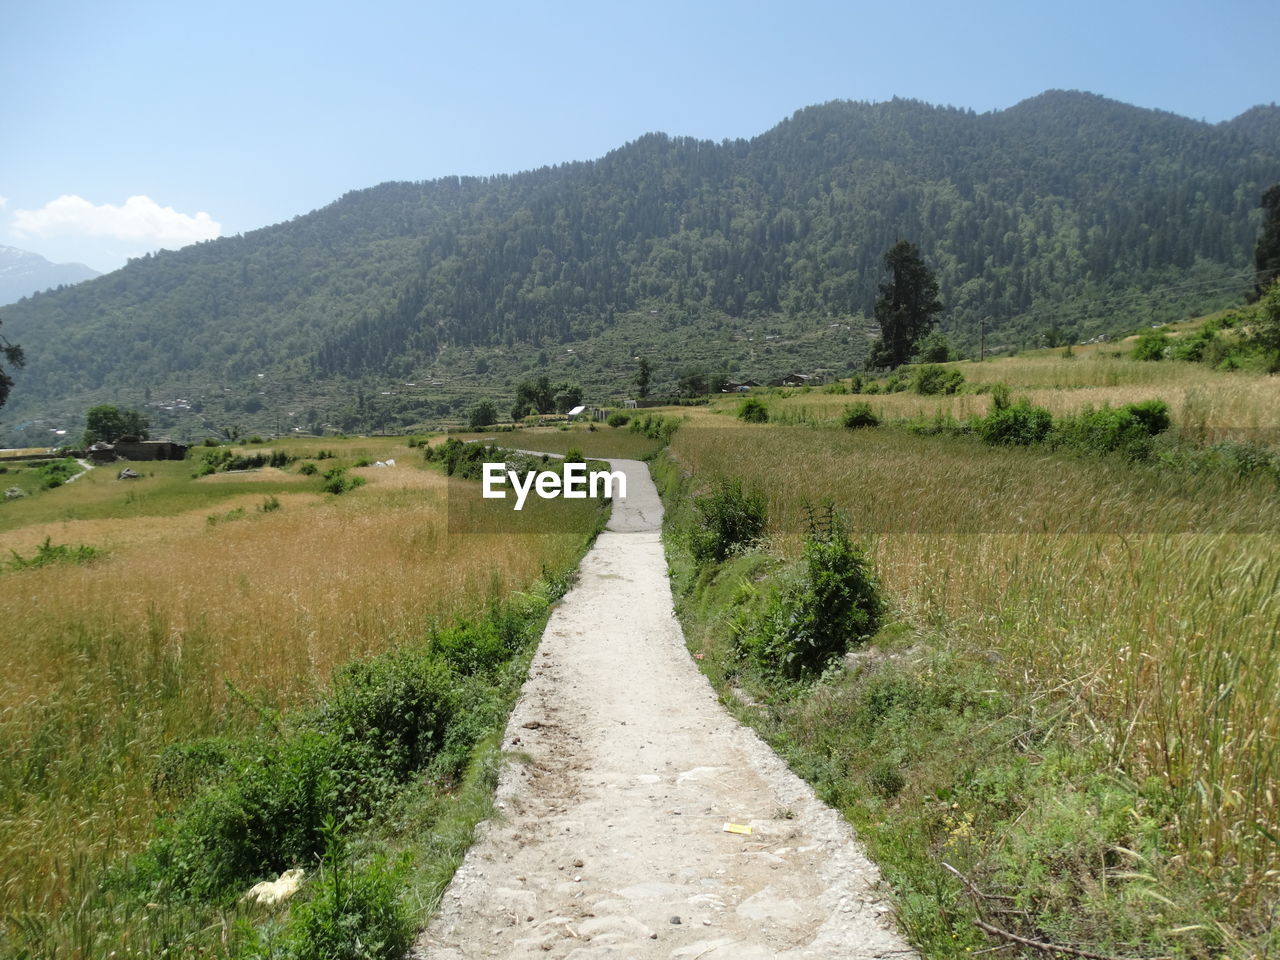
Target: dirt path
[(609, 841)]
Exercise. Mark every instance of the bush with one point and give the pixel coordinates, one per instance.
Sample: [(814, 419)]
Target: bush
[(727, 518), (336, 481), (752, 410), (930, 380), (49, 553), (308, 469), (617, 419), (354, 912), (1151, 345), (859, 415), (270, 505), (834, 603), (1018, 425), (655, 426), (1128, 430)]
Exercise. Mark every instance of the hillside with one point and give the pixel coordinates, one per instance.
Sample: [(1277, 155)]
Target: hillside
[(1066, 210)]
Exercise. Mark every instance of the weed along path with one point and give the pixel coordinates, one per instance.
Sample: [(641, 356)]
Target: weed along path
[(609, 839)]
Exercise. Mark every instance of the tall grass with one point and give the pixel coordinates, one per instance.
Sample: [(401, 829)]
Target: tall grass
[(1145, 606), (188, 630)]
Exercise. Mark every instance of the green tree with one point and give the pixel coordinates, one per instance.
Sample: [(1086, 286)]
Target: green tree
[(907, 303), (567, 396), (109, 424), (1266, 326), (1266, 255), (643, 374), (13, 354), (693, 382), (483, 414)]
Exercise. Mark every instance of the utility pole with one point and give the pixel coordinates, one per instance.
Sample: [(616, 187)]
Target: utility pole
[(982, 341)]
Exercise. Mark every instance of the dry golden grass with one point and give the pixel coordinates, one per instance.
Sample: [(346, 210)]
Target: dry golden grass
[(1132, 598), (102, 665), (1205, 404)]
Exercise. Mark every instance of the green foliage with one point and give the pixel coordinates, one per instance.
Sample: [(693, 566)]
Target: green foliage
[(859, 415), (109, 424), (49, 553), (934, 347), (482, 414), (1151, 345), (929, 380), (337, 481), (57, 472), (1127, 430), (905, 308), (1266, 254), (353, 911), (269, 505), (617, 419), (308, 469), (1266, 326), (224, 459), (753, 410), (1019, 424), (655, 426), (13, 355), (269, 804), (644, 372), (817, 615), (727, 519)]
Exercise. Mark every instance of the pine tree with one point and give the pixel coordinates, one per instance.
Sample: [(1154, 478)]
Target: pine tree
[(1266, 256), (907, 303)]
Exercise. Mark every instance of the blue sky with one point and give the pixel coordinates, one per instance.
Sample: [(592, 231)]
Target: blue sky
[(218, 118)]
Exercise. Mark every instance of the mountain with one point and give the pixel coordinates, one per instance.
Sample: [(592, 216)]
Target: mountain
[(23, 273), (405, 302)]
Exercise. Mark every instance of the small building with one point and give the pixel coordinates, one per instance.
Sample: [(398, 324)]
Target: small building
[(576, 412), (101, 452)]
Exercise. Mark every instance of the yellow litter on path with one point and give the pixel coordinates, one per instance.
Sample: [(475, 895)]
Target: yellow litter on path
[(737, 828)]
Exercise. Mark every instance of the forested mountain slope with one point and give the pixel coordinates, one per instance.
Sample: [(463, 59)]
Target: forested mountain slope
[(1066, 209)]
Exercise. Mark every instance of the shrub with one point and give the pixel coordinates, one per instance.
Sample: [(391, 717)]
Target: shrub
[(1018, 425), (752, 410), (574, 455), (1151, 345), (351, 911), (336, 481), (929, 380), (308, 469), (859, 415), (727, 518), (270, 505), (834, 603), (655, 426), (617, 419), (49, 553), (1128, 429)]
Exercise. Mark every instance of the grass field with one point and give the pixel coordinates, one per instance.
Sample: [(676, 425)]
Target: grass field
[(1131, 609), (212, 600), (1205, 404)]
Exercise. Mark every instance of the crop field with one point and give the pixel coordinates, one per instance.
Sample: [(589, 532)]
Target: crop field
[(1132, 608), (1205, 404), (208, 602)]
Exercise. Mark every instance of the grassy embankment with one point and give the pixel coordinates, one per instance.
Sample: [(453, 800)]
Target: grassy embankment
[(1073, 701), (139, 691)]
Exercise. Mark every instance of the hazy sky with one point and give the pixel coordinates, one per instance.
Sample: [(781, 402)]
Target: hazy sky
[(130, 126)]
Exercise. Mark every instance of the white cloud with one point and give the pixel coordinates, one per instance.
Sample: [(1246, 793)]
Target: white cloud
[(138, 219)]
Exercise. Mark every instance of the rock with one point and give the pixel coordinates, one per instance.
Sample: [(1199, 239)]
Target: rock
[(129, 474)]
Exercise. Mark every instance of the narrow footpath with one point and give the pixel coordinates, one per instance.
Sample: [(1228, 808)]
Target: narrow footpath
[(609, 840)]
